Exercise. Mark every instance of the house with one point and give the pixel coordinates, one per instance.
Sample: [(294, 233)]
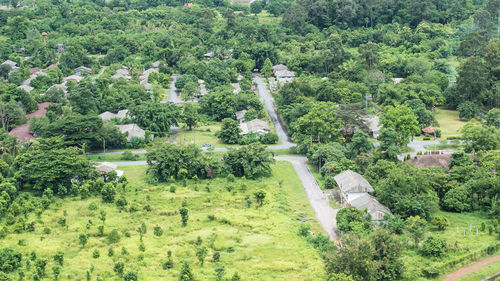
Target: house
[(352, 185), (106, 167), (240, 115), (106, 116), (13, 65), (23, 133), (145, 77), (76, 78), (254, 126), (282, 73), (63, 87), (397, 80), (429, 130), (372, 122), (208, 55), (435, 159), (34, 70), (122, 73), (83, 69), (236, 87), (27, 88), (371, 205), (132, 130), (354, 191)]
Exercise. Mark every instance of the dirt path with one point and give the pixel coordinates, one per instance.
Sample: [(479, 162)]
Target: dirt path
[(471, 269)]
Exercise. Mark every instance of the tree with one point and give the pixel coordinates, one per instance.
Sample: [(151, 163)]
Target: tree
[(186, 274), (360, 143), (433, 246), (10, 260), (5, 70), (320, 124), (440, 222), (83, 239), (260, 196), (131, 276), (267, 68), (156, 117), (458, 199), (257, 6), (184, 215), (190, 115), (467, 110), (201, 253), (59, 258), (48, 163), (402, 120), (230, 131), (38, 124), (479, 137), (459, 158), (349, 219), (407, 191), (119, 268), (295, 18), (369, 54), (84, 99), (11, 115), (493, 118), (472, 45), (473, 80), (251, 161), (416, 229), (76, 129)]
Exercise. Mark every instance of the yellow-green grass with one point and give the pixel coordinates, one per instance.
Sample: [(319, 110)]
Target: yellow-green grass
[(258, 243), (465, 245), (114, 157), (449, 122), (266, 17), (484, 272), (199, 136)]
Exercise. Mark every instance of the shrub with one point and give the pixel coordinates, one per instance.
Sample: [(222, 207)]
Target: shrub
[(348, 217), (269, 138), (10, 260), (127, 155), (96, 254), (157, 231), (131, 276), (118, 268), (113, 237), (433, 246), (330, 183), (440, 222)]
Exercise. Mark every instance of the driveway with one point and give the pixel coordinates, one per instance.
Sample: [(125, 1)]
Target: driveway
[(173, 95), (325, 214), (268, 101)]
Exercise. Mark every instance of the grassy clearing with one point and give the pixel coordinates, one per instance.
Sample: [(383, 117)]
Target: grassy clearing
[(459, 245), (266, 17), (482, 273), (258, 243), (114, 158), (199, 136), (449, 122)]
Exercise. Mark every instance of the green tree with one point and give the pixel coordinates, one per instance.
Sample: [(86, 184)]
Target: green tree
[(295, 18), (81, 130), (190, 115), (360, 143), (349, 219), (479, 137), (131, 276), (260, 196), (83, 239), (186, 274), (440, 222), (156, 117), (267, 68), (230, 131), (369, 54), (433, 246), (251, 161), (467, 110), (493, 118), (201, 253), (321, 125), (10, 260), (416, 229), (257, 6), (11, 115), (184, 215), (402, 120)]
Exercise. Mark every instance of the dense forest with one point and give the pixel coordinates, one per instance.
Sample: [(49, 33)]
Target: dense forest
[(79, 77)]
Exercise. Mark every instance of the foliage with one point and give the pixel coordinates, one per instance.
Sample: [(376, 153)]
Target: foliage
[(433, 246), (440, 222), (251, 161), (402, 120), (415, 226), (10, 260), (156, 117), (349, 219), (230, 131)]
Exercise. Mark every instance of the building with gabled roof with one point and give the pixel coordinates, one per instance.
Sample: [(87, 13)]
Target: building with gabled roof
[(132, 130), (122, 73), (81, 69), (254, 126), (367, 202), (352, 185), (106, 116)]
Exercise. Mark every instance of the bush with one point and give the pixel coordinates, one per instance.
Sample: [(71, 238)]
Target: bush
[(157, 231), (457, 199), (10, 260), (433, 246), (348, 218), (96, 254), (269, 138), (113, 237), (128, 155), (330, 183), (467, 110), (440, 222)]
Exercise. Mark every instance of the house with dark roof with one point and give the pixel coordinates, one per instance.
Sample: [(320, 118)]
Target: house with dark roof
[(435, 159), (83, 69)]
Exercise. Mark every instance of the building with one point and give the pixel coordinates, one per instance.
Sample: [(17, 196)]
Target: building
[(13, 65), (236, 87), (354, 191), (145, 77), (397, 80), (240, 115), (106, 167), (23, 133), (76, 78), (132, 130), (282, 73), (63, 87), (27, 88), (83, 69), (106, 116), (122, 73), (255, 126), (372, 122), (435, 159)]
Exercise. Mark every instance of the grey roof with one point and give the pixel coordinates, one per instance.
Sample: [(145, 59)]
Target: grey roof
[(12, 64), (236, 87), (145, 76), (279, 67), (106, 167), (372, 122), (81, 69), (240, 114), (27, 88), (76, 78), (106, 116), (254, 126), (374, 208), (63, 87), (352, 182), (122, 73), (284, 74), (132, 130)]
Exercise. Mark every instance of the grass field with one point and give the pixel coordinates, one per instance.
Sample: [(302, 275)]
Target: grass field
[(114, 158), (199, 136), (258, 243), (448, 122), (483, 273), (459, 245)]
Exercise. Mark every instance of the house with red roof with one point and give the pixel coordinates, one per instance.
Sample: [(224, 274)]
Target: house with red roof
[(23, 133)]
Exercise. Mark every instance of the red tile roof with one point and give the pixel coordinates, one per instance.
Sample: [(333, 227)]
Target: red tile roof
[(22, 132), (429, 130), (34, 70)]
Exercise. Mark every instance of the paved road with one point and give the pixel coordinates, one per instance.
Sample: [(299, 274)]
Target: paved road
[(173, 95), (325, 214), (268, 101)]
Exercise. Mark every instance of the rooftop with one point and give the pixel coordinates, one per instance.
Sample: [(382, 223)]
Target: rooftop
[(352, 182), (369, 203)]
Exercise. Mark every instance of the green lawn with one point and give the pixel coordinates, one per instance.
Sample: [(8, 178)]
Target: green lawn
[(449, 122), (114, 157), (486, 271), (199, 136), (258, 243), (460, 246)]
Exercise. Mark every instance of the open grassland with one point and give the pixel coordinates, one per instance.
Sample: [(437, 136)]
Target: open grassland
[(199, 136), (266, 17), (115, 158), (461, 249), (449, 122), (258, 243)]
